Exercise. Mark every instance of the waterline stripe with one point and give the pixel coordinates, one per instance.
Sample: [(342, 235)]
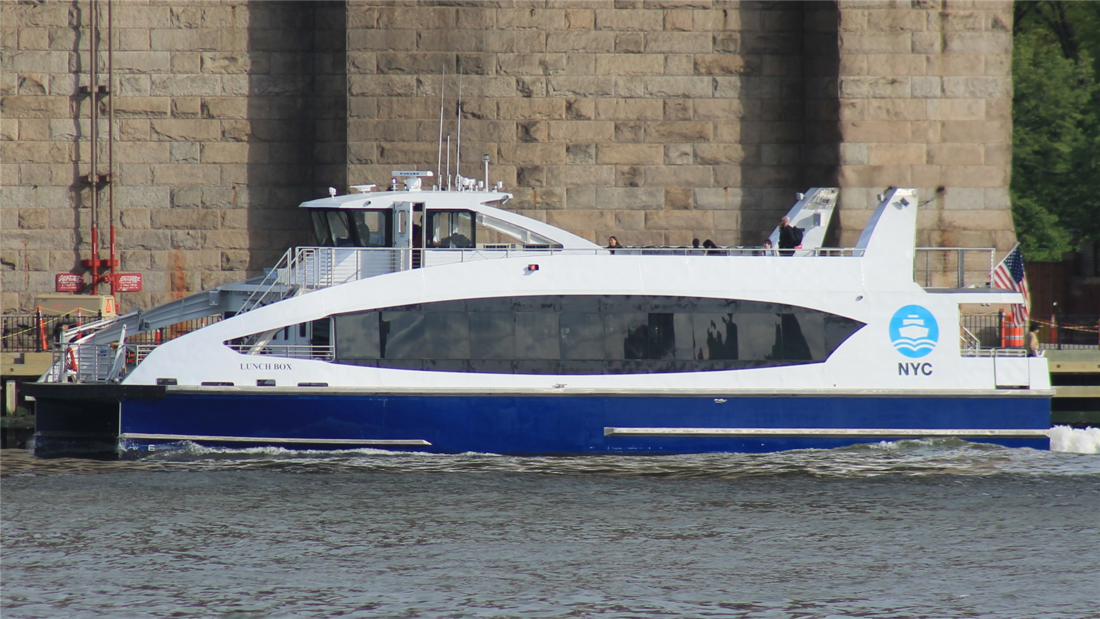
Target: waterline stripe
[(289, 441), (823, 432)]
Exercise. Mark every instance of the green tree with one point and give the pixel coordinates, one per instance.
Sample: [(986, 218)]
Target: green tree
[(1056, 127)]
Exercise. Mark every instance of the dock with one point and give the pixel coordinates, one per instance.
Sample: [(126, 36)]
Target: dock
[(1075, 377), (17, 421)]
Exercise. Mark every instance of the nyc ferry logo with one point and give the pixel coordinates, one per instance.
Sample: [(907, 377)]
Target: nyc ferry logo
[(913, 331)]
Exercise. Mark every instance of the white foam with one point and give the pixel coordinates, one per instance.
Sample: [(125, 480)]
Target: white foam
[(1071, 440)]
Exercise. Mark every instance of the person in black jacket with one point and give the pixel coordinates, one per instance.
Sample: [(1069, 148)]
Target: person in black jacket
[(790, 237)]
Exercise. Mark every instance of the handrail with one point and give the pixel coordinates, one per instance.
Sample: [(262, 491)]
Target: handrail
[(309, 268), (959, 264), (969, 340), (290, 351), (274, 277), (993, 352)]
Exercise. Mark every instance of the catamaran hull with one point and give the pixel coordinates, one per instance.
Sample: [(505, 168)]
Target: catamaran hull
[(532, 424)]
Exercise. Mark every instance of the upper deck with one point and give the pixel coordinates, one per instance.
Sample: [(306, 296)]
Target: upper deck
[(371, 234)]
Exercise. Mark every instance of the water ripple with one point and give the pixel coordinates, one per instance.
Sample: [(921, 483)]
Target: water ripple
[(887, 458)]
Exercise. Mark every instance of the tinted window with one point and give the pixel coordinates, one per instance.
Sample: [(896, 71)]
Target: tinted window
[(357, 335), (715, 336), (581, 335), (446, 335), (589, 334), (759, 336), (626, 336), (491, 335), (537, 335), (402, 335)]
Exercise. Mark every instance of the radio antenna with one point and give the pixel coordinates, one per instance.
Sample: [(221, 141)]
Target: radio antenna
[(458, 147), (439, 157), (448, 162)]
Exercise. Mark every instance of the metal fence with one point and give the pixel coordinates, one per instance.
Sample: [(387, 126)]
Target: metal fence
[(982, 330), (1067, 332), (39, 332)]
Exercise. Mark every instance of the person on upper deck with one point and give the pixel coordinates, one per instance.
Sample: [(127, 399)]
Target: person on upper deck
[(790, 237), (613, 244)]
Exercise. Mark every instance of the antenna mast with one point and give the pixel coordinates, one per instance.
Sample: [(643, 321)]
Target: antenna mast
[(458, 147), (439, 157)]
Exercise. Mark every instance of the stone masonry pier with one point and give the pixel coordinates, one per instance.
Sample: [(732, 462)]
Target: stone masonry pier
[(657, 121)]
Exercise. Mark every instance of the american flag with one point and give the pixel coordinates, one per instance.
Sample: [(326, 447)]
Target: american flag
[(1009, 275)]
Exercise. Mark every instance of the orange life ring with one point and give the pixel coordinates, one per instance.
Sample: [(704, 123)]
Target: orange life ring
[(70, 360)]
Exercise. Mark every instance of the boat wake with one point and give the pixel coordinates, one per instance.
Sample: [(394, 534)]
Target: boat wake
[(1073, 440), (885, 459), (913, 457)]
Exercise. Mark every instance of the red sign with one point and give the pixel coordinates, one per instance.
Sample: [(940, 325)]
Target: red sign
[(128, 282), (69, 282)]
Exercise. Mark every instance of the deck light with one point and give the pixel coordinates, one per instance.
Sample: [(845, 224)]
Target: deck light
[(532, 267)]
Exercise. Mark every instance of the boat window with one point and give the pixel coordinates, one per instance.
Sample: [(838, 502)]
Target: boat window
[(491, 335), (451, 229), (322, 332), (536, 335), (338, 225), (402, 335), (493, 231), (320, 229), (589, 334), (446, 335), (714, 336), (581, 335), (372, 228), (357, 335)]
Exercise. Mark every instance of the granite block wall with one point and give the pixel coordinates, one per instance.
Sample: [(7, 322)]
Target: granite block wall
[(228, 114), (657, 121), (925, 93)]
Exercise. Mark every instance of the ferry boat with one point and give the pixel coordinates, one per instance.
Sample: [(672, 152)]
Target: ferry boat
[(434, 320)]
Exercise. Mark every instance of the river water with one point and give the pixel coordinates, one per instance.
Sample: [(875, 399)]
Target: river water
[(903, 529)]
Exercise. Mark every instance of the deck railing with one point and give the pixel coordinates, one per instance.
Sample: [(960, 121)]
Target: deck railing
[(993, 352), (953, 267), (305, 269), (290, 351)]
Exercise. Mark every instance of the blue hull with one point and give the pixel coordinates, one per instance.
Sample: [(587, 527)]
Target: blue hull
[(513, 424)]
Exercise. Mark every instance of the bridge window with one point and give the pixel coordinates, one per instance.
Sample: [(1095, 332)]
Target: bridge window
[(451, 229), (352, 228), (372, 228)]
